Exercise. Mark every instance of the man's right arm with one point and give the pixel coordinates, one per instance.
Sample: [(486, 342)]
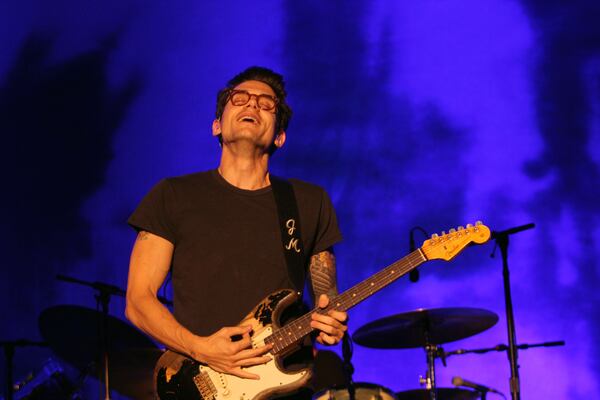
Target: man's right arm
[(148, 268)]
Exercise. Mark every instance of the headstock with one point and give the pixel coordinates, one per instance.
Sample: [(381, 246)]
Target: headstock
[(447, 245)]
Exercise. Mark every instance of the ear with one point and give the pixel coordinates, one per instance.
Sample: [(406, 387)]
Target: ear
[(216, 127), (279, 139)]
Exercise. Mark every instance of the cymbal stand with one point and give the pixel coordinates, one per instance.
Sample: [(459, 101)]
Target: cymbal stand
[(9, 353), (110, 289), (102, 300), (503, 347), (432, 352), (502, 242), (347, 348)]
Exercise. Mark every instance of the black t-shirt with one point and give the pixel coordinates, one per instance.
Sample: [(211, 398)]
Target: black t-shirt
[(228, 248)]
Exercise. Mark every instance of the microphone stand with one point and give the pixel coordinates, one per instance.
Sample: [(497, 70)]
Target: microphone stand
[(414, 273), (499, 347), (501, 238)]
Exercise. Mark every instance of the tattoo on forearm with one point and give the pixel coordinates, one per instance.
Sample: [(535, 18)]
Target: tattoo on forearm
[(322, 274), (143, 235)]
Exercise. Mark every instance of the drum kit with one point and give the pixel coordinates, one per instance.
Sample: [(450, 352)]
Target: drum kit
[(429, 329), (423, 328), (99, 345), (96, 344), (85, 338), (122, 358)]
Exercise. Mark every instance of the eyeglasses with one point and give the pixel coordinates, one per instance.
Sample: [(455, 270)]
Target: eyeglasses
[(263, 101)]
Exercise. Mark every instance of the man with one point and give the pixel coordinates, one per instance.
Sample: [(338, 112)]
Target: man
[(218, 231)]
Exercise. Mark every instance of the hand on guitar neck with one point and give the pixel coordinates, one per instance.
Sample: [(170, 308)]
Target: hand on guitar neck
[(331, 325)]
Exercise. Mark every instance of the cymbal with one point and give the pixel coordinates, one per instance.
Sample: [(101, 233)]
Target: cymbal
[(73, 333), (424, 326), (442, 394)]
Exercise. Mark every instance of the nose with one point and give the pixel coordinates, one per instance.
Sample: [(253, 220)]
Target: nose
[(253, 101)]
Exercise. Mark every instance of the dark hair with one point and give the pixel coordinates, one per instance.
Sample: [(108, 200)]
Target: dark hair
[(271, 78)]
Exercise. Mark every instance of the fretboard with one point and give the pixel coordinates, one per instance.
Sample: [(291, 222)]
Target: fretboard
[(292, 333)]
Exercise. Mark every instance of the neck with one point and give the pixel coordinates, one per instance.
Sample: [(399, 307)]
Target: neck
[(248, 173)]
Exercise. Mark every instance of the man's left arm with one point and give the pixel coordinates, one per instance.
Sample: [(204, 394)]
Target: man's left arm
[(323, 278)]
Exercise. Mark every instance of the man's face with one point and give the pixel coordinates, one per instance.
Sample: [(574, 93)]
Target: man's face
[(248, 122)]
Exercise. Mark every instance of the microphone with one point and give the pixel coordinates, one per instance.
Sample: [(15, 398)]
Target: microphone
[(413, 274), (458, 381)]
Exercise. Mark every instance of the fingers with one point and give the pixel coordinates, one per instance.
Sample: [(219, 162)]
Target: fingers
[(248, 358), (339, 315), (242, 373), (237, 364), (332, 325), (333, 318), (323, 301), (324, 338), (235, 330), (244, 331), (250, 353), (242, 344), (333, 329), (248, 362)]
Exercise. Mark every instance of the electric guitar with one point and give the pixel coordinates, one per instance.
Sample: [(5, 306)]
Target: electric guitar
[(179, 377)]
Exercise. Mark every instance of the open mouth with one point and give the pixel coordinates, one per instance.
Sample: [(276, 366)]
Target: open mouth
[(248, 118)]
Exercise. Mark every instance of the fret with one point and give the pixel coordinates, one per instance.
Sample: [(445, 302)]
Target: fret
[(293, 332)]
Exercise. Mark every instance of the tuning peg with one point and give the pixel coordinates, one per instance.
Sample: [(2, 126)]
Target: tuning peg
[(434, 236), (452, 230), (478, 223), (443, 233), (461, 228), (469, 226)]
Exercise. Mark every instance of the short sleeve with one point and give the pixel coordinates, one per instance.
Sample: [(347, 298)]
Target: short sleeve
[(328, 232), (154, 214)]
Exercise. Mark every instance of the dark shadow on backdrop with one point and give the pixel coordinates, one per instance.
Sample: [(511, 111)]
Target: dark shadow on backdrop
[(569, 39), (58, 121)]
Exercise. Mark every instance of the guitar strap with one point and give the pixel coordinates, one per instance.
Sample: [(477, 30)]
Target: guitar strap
[(289, 225)]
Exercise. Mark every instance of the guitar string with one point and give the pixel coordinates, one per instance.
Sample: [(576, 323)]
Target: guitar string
[(361, 291), (302, 327), (347, 299)]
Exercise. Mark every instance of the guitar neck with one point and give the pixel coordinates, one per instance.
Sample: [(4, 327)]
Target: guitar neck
[(290, 334)]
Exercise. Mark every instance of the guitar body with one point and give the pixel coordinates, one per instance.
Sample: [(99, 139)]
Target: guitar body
[(180, 377)]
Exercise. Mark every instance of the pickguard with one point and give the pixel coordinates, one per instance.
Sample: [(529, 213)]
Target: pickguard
[(179, 377)]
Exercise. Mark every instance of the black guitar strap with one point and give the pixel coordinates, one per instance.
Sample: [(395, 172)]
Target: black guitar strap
[(289, 225)]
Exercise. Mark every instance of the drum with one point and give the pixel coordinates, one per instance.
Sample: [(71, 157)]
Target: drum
[(442, 394), (50, 382), (362, 391)]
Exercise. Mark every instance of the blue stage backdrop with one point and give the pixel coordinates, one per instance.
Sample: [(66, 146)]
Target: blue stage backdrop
[(428, 113)]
